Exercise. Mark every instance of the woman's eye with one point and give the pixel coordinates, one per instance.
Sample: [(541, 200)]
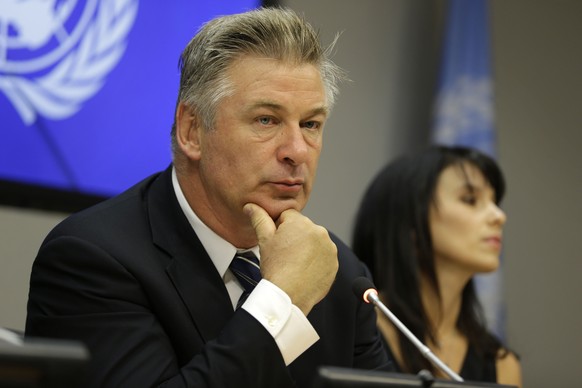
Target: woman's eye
[(469, 199)]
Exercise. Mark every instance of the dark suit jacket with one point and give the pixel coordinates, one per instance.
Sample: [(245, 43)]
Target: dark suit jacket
[(130, 279)]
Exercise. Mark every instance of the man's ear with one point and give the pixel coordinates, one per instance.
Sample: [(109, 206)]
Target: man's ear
[(188, 129)]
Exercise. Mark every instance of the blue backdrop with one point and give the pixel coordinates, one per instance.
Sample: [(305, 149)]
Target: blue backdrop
[(88, 88)]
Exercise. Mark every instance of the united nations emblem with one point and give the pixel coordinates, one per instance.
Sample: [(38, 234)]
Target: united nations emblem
[(464, 113), (56, 54)]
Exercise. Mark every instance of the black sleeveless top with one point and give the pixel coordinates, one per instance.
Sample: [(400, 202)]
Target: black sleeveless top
[(475, 368)]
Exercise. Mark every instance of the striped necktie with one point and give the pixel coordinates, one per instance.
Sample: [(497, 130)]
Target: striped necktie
[(245, 266)]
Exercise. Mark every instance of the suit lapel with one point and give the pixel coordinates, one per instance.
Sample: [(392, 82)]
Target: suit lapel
[(190, 269), (203, 293)]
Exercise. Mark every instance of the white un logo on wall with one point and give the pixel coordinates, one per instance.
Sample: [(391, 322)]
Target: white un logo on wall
[(56, 54)]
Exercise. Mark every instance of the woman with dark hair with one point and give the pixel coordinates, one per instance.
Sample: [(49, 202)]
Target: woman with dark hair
[(426, 225)]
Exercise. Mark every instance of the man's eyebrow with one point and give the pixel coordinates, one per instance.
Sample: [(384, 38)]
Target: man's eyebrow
[(265, 104), (323, 110), (278, 107)]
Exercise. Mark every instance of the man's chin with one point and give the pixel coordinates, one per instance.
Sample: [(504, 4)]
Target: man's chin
[(275, 208)]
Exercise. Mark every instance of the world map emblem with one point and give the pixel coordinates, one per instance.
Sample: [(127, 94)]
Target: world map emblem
[(56, 54)]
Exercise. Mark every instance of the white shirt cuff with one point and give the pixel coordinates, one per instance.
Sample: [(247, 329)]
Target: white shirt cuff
[(290, 328)]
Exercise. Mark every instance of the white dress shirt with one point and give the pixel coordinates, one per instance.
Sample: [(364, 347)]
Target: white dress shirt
[(270, 305)]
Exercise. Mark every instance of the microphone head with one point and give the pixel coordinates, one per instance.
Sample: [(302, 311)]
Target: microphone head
[(362, 286)]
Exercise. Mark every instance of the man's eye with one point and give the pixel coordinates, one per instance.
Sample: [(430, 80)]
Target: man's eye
[(311, 125), (265, 120)]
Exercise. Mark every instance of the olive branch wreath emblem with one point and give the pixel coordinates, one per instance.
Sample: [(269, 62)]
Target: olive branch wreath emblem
[(81, 73)]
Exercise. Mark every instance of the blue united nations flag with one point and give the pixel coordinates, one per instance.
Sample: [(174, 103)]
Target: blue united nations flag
[(464, 111)]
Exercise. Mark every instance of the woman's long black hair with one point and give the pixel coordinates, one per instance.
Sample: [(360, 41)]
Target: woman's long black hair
[(391, 235)]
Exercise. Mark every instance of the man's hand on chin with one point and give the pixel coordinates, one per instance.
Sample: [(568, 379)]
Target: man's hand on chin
[(297, 255)]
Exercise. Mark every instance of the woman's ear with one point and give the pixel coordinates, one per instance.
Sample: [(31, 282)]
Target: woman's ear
[(188, 131)]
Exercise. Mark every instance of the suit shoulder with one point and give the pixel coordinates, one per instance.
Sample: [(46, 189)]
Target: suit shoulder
[(119, 213), (348, 261)]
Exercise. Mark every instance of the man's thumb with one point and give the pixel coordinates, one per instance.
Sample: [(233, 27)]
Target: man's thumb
[(261, 221)]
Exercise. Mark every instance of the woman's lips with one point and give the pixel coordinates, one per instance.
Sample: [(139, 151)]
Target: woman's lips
[(494, 241)]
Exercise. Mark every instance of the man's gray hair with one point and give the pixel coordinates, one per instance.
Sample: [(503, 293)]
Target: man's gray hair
[(275, 33)]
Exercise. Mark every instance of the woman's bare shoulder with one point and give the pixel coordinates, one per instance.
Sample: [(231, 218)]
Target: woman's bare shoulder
[(508, 369)]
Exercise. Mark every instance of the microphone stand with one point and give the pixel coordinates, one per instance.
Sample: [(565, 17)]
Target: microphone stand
[(372, 295)]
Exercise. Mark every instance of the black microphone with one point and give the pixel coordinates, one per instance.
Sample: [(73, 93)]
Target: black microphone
[(364, 288)]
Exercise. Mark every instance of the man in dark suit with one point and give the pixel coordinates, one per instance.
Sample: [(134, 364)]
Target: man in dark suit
[(144, 279)]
